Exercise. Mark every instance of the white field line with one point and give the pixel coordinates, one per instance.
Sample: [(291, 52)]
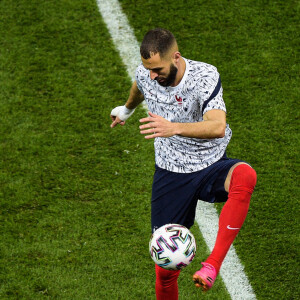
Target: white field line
[(207, 218), (121, 33)]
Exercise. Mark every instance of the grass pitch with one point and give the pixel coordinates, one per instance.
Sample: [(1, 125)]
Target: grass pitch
[(74, 197)]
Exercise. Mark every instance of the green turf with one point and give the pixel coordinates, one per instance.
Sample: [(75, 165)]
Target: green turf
[(74, 197), (69, 191)]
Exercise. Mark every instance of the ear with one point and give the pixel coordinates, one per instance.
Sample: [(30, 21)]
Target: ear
[(176, 56)]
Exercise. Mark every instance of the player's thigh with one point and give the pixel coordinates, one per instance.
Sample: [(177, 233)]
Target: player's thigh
[(173, 199), (211, 181)]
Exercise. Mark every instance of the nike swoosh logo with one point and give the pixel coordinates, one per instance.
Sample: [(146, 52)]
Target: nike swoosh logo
[(231, 228)]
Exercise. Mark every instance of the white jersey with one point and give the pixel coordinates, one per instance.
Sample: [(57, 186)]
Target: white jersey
[(199, 91)]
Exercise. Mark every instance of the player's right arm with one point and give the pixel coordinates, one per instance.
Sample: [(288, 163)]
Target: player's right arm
[(121, 113)]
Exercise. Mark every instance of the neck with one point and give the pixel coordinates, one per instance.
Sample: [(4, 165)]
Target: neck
[(181, 69)]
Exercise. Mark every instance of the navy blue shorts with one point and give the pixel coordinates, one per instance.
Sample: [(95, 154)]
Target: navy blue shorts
[(175, 195)]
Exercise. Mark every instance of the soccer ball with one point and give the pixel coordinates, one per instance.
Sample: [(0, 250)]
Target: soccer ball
[(172, 247)]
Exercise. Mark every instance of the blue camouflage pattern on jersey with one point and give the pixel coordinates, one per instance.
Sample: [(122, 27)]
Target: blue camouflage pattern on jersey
[(199, 91)]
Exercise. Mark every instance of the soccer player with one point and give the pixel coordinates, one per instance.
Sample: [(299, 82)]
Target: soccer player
[(187, 120)]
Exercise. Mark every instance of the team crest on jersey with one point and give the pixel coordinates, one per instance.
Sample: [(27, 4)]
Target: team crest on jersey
[(178, 99)]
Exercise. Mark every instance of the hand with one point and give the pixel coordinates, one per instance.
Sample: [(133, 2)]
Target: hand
[(120, 114), (157, 126), (116, 121)]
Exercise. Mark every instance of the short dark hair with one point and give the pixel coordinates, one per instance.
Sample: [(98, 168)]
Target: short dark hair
[(157, 40)]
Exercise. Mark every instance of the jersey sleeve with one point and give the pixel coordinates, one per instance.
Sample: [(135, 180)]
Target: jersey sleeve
[(139, 77), (214, 96)]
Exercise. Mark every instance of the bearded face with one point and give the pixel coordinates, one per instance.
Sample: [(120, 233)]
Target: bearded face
[(169, 79)]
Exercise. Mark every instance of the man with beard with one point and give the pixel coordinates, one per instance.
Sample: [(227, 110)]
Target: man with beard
[(187, 119)]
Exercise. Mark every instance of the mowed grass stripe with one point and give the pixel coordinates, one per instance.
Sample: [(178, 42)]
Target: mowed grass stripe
[(72, 199)]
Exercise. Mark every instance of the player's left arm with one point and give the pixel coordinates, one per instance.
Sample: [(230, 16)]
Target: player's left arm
[(212, 126)]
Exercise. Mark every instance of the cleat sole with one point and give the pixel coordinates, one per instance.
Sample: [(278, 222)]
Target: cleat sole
[(200, 283)]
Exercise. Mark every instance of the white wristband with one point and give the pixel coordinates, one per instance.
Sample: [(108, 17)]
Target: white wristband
[(122, 112)]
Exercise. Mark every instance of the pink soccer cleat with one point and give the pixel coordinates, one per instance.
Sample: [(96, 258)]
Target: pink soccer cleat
[(205, 277)]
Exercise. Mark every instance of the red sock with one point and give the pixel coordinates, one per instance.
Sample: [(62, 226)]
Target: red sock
[(166, 284), (234, 212)]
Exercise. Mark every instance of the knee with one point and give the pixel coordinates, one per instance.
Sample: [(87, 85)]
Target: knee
[(243, 176)]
